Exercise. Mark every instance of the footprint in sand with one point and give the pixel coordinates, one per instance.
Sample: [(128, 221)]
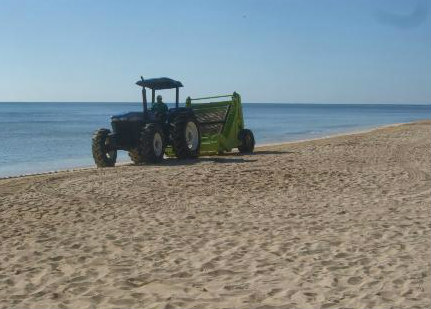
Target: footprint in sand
[(341, 255), (206, 267), (139, 280), (354, 280)]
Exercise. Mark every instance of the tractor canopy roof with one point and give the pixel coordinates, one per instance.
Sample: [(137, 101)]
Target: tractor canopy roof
[(159, 83)]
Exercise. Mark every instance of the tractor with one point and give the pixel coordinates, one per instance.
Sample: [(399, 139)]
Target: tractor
[(203, 128)]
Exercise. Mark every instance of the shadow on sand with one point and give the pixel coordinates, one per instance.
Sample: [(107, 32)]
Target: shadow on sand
[(271, 152), (175, 162), (234, 157)]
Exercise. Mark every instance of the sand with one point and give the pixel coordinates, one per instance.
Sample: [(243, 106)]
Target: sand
[(329, 223)]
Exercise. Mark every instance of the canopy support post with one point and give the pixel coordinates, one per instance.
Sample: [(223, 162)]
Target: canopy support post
[(144, 101)]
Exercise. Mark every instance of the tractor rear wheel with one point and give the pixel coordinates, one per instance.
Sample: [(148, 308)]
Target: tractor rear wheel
[(102, 154), (186, 138), (151, 145), (247, 142)]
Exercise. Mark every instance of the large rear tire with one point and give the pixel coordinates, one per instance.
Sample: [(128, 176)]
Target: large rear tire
[(151, 145), (103, 156), (247, 141), (186, 137)]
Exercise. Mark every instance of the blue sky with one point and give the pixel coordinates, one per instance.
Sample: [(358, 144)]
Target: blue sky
[(300, 51)]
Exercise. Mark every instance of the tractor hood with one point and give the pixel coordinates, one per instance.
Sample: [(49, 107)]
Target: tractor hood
[(132, 116)]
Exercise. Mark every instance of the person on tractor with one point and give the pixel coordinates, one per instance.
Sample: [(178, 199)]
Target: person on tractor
[(159, 108)]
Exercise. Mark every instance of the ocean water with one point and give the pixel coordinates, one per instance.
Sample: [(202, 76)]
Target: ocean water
[(40, 137)]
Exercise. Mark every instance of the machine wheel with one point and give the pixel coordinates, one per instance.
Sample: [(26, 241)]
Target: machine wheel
[(186, 137), (151, 145), (247, 142), (135, 156), (103, 156)]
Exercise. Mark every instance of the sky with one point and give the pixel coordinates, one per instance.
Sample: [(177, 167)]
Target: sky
[(290, 51)]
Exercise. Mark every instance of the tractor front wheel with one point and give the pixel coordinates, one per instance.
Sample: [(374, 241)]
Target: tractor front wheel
[(186, 138), (103, 155), (151, 145), (246, 139)]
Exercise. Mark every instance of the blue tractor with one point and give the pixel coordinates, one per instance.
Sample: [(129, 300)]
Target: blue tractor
[(146, 134)]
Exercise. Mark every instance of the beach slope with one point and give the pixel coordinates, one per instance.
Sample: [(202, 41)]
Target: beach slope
[(336, 222)]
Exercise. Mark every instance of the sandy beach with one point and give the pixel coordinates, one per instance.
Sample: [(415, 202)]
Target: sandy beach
[(329, 223)]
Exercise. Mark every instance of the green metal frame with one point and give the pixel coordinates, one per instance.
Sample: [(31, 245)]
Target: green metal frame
[(232, 124)]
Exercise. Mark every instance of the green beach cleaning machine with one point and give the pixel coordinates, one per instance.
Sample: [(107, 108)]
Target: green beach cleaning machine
[(204, 126)]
